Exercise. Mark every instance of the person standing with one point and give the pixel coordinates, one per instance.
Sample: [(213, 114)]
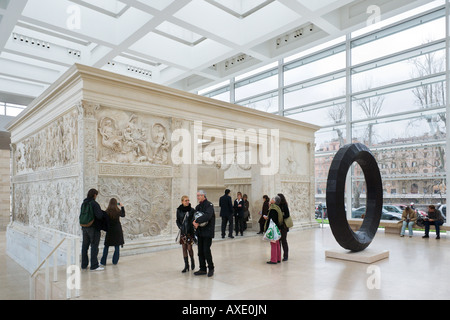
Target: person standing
[(185, 218), (264, 212), (205, 233), (114, 234), (434, 218), (239, 207), (226, 212), (283, 228), (246, 211), (91, 232), (275, 215), (409, 217)]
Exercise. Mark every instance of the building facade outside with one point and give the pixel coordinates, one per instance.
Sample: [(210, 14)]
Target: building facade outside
[(385, 86)]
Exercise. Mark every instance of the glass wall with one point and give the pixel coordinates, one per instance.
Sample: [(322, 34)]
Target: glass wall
[(9, 109), (384, 87)]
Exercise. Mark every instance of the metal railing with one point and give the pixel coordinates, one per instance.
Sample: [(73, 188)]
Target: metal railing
[(72, 251)]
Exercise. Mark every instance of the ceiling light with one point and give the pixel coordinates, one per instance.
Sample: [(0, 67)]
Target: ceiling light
[(30, 40), (136, 70), (298, 33)]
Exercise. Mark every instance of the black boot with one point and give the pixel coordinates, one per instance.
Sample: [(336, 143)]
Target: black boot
[(186, 265), (192, 263)]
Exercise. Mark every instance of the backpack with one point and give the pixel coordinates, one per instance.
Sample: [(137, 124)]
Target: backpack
[(86, 215)]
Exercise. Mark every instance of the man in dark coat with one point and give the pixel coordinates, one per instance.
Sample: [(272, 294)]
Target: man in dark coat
[(226, 212), (205, 233)]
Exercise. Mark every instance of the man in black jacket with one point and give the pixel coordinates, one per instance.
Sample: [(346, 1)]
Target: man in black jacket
[(226, 212), (434, 218), (205, 233), (91, 235)]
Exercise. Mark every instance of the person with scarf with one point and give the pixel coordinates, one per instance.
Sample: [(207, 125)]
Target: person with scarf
[(185, 217), (276, 216)]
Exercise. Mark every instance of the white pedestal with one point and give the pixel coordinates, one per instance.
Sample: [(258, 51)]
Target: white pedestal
[(367, 256)]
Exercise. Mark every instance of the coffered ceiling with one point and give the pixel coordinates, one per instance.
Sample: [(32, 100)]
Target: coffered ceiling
[(185, 44)]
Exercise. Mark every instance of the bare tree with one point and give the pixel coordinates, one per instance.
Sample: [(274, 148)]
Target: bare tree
[(337, 114), (431, 96), (264, 105), (371, 107)]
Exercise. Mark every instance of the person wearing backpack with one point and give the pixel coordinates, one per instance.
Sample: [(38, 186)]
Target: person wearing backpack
[(91, 221)]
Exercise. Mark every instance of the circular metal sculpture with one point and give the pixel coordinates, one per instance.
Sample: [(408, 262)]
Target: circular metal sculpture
[(344, 235)]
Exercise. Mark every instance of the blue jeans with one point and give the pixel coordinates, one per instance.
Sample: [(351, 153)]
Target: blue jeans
[(115, 258), (436, 225), (91, 238), (410, 225)]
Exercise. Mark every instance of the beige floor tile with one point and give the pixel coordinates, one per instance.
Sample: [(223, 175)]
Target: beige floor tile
[(416, 269)]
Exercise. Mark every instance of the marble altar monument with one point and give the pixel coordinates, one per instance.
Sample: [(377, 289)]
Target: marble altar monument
[(146, 145)]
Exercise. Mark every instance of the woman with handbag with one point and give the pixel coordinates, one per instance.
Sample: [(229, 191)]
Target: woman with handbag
[(284, 229), (185, 217), (276, 216)]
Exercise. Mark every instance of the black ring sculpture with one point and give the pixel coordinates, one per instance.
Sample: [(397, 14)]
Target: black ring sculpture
[(344, 235)]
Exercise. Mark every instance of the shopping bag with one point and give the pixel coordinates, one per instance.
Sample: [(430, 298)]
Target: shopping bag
[(272, 233)]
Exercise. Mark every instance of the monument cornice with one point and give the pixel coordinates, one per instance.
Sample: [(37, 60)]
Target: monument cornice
[(79, 77)]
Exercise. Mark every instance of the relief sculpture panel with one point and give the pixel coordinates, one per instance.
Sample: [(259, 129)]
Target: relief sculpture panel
[(125, 137), (147, 203), (53, 146), (48, 203), (297, 195)]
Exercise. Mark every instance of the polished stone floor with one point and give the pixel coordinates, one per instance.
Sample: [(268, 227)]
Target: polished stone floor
[(417, 269)]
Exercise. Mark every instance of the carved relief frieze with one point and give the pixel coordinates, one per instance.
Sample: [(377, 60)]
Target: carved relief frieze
[(107, 169), (53, 146), (88, 143), (294, 178), (50, 174), (48, 203), (132, 138), (298, 197), (294, 157), (147, 202)]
